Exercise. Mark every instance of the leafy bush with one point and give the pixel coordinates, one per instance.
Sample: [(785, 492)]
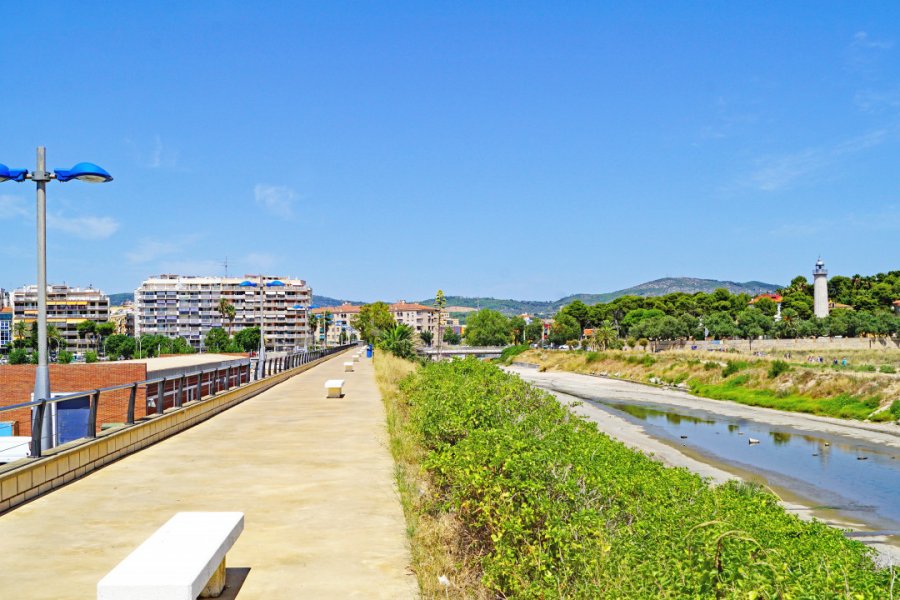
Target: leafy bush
[(710, 366), (777, 368), (895, 409), (65, 357), (18, 356), (887, 369), (866, 368), (733, 366), (554, 508), (511, 352), (398, 340), (90, 356)]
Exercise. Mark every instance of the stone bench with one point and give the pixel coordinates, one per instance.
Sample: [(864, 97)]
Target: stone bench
[(183, 559), (14, 447), (348, 367), (335, 388)]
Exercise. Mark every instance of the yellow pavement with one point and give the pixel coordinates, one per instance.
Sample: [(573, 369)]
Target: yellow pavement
[(313, 476)]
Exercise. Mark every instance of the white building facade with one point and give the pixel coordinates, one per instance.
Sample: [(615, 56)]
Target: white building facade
[(188, 307), (66, 308)]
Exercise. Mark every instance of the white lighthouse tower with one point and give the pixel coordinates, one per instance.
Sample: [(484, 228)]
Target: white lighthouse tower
[(820, 290)]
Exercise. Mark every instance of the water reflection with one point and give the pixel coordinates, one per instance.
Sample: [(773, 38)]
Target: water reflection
[(859, 480)]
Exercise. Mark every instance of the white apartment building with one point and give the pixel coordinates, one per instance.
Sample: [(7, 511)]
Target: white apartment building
[(66, 308), (187, 306), (418, 316)]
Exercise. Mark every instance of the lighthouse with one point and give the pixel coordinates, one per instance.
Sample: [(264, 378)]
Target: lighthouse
[(820, 290)]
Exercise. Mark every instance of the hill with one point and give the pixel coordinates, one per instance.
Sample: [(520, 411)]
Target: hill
[(657, 287), (119, 299), (328, 301)]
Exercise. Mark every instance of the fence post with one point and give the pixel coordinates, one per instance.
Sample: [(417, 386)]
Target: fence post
[(227, 378), (94, 400), (37, 426), (200, 384), (215, 382), (179, 397), (131, 397), (160, 396)]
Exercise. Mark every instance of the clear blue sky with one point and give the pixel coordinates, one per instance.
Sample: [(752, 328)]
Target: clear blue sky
[(509, 149)]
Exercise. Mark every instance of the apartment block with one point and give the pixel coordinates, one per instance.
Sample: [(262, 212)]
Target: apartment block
[(188, 307), (418, 316), (6, 330), (66, 308)]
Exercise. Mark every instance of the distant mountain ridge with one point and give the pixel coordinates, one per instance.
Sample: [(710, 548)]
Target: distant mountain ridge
[(657, 287)]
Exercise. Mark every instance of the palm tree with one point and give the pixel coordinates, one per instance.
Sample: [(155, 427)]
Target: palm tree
[(398, 340), (20, 330), (227, 310), (426, 337), (603, 336), (54, 334)]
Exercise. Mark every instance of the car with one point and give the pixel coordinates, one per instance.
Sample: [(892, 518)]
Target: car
[(564, 347)]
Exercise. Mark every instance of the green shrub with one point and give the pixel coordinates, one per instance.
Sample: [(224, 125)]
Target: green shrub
[(895, 409), (555, 509), (65, 357), (18, 356), (866, 368), (733, 366), (777, 368), (887, 369), (511, 352), (90, 356), (738, 380)]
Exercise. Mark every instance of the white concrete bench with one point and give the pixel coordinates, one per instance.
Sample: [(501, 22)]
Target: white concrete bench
[(356, 358), (335, 388), (183, 559), (348, 367), (14, 447)]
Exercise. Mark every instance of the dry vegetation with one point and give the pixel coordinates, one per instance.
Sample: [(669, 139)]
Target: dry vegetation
[(860, 390), (436, 538)]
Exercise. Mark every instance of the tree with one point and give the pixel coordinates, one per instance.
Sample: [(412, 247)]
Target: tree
[(579, 311), (398, 340), (20, 330), (247, 339), (87, 330), (753, 323), (767, 306), (451, 337), (216, 340), (18, 356), (228, 312), (120, 346), (564, 328), (721, 326), (604, 336), (426, 337), (517, 329), (487, 328), (534, 331), (372, 320), (440, 302)]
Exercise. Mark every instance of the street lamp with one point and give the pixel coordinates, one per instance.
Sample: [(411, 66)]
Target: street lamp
[(87, 172)]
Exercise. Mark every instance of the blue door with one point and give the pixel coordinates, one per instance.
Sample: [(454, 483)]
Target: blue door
[(72, 419)]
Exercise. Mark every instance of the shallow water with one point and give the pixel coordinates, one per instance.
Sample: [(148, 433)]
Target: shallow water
[(837, 476)]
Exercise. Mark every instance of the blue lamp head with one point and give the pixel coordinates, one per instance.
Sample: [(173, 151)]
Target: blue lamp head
[(84, 171), (14, 174), (247, 284)]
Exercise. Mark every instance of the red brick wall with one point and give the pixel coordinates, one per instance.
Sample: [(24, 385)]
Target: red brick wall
[(17, 383)]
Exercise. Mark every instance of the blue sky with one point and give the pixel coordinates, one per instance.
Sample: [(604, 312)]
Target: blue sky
[(385, 150)]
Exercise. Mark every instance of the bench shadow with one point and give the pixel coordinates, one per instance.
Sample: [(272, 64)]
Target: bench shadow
[(234, 581)]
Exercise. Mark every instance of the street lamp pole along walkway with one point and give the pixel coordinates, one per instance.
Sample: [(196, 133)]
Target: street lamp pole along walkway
[(84, 171)]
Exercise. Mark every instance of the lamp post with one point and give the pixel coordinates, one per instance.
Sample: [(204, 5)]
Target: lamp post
[(89, 173)]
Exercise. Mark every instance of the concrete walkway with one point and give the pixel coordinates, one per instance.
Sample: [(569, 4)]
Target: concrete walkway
[(313, 476)]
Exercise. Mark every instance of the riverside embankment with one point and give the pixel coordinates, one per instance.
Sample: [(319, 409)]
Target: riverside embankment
[(844, 472)]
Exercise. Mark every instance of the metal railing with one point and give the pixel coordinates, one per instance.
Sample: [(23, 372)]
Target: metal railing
[(218, 379)]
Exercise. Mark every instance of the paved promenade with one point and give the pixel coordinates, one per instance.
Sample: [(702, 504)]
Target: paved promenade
[(313, 476)]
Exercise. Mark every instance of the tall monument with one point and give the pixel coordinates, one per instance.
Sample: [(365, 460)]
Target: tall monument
[(820, 290)]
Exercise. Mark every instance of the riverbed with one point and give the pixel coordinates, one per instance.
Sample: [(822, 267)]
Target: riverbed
[(845, 473)]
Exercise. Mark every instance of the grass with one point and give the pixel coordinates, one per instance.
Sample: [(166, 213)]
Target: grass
[(857, 391), (437, 540)]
